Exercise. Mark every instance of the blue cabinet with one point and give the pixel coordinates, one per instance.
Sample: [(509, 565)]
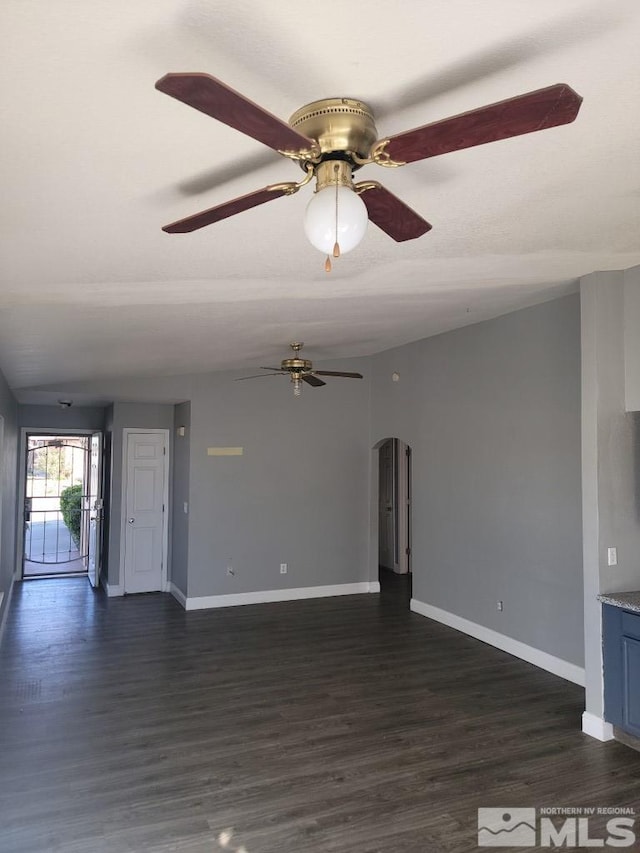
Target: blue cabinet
[(631, 684), (621, 659)]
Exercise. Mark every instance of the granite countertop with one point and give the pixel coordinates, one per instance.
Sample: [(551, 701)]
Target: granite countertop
[(625, 600)]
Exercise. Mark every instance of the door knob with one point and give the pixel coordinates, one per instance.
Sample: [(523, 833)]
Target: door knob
[(131, 520)]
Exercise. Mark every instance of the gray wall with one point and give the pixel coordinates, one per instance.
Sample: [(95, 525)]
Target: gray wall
[(492, 414), (54, 417), (8, 489), (181, 496), (298, 495), (119, 417), (610, 463), (632, 337)]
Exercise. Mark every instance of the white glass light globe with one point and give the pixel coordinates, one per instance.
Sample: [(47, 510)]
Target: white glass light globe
[(320, 220)]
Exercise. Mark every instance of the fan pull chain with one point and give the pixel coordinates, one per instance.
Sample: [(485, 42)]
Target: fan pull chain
[(336, 245)]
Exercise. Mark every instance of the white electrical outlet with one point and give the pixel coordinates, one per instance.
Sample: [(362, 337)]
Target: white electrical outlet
[(612, 556), (283, 568), (500, 605)]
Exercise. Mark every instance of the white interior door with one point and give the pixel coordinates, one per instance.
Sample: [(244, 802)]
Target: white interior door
[(144, 522), (95, 509)]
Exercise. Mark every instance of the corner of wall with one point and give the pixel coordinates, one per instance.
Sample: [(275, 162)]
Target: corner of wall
[(596, 727), (610, 496)]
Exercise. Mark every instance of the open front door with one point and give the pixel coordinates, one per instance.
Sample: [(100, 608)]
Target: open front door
[(95, 509)]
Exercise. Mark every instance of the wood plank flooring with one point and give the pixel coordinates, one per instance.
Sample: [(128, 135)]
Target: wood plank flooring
[(345, 724)]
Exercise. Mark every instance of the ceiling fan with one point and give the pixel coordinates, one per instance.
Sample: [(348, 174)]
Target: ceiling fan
[(301, 370), (334, 137)]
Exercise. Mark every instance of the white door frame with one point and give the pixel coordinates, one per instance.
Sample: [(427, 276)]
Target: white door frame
[(96, 506), (22, 481), (374, 504), (126, 432), (403, 461)]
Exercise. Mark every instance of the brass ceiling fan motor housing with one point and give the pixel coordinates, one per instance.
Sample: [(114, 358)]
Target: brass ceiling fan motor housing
[(296, 364), (338, 125)]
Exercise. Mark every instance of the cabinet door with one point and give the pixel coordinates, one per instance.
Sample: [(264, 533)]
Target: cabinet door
[(612, 659), (631, 685)]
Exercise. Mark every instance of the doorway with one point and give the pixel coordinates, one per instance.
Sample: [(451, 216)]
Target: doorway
[(394, 513), (62, 508)]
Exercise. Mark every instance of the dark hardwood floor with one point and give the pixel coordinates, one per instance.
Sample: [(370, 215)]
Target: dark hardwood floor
[(345, 724)]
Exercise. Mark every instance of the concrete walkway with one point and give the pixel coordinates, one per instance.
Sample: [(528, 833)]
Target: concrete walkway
[(49, 547)]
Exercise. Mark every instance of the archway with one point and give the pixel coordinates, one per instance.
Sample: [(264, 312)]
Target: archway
[(391, 513)]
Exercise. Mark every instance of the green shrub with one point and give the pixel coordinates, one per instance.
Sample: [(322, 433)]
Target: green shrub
[(71, 509)]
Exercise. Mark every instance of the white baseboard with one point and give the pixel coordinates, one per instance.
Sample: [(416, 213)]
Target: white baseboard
[(596, 727), (178, 594), (114, 590), (270, 595), (557, 666), (374, 586)]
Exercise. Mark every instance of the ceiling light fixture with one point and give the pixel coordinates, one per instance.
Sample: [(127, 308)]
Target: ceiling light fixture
[(336, 218)]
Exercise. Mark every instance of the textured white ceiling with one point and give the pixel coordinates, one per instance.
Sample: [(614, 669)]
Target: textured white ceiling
[(95, 161)]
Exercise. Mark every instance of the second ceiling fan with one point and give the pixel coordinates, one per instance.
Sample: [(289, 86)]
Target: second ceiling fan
[(334, 137), (301, 370)]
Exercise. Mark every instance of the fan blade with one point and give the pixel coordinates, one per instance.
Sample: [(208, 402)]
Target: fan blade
[(391, 214), (310, 379), (257, 376), (338, 373), (537, 110), (211, 96), (229, 208)]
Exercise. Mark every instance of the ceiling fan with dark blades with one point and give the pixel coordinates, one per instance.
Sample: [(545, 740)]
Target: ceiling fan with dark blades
[(301, 370), (334, 137)]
